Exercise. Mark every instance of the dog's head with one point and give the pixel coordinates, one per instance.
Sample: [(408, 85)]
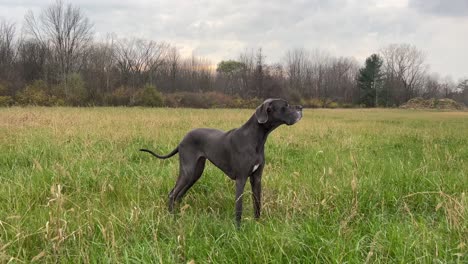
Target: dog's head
[(278, 111)]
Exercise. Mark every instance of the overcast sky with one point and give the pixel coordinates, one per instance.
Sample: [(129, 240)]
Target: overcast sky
[(222, 29)]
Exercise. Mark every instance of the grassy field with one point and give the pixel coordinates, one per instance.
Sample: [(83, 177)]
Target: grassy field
[(341, 186)]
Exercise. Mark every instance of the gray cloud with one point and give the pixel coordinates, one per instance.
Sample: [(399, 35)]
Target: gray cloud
[(222, 29), (441, 7)]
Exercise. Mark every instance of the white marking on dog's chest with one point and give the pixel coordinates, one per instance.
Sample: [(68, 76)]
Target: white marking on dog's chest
[(255, 167)]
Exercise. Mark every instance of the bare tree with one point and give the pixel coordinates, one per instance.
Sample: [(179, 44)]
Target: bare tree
[(462, 88), (310, 73), (173, 66), (319, 65), (99, 67), (340, 79), (195, 74), (406, 65), (7, 49), (432, 87), (274, 81), (259, 75), (247, 71), (66, 30), (447, 86), (139, 60), (32, 60), (156, 59), (297, 67)]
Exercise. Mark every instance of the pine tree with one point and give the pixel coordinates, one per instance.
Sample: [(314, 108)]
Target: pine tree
[(370, 81)]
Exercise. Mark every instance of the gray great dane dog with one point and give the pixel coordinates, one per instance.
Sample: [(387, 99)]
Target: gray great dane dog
[(239, 153)]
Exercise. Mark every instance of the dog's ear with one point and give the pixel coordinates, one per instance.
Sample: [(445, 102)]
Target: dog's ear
[(262, 112)]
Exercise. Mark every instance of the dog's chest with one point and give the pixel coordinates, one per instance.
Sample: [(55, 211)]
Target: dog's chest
[(258, 161), (255, 167)]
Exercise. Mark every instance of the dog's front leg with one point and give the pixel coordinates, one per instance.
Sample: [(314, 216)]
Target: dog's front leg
[(256, 183), (240, 184)]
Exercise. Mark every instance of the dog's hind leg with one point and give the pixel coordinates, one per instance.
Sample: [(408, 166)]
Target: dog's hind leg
[(190, 171), (197, 173)]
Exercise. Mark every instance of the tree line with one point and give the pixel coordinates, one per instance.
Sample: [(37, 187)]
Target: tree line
[(55, 60)]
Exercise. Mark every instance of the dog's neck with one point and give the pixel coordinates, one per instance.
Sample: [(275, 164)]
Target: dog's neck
[(257, 132)]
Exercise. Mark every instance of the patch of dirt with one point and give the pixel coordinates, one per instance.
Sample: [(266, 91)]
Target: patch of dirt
[(442, 104)]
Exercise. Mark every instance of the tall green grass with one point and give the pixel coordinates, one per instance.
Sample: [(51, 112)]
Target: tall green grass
[(341, 186)]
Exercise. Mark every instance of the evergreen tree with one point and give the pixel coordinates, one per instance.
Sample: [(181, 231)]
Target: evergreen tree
[(370, 81)]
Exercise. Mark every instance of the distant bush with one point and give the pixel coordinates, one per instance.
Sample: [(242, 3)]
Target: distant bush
[(319, 103), (312, 103), (316, 103), (332, 105), (3, 90), (432, 103), (38, 93), (347, 105), (195, 100), (293, 96), (217, 100), (74, 87), (34, 94), (208, 100), (170, 100), (147, 96), (5, 100), (327, 103), (187, 99), (245, 103), (121, 96), (74, 93)]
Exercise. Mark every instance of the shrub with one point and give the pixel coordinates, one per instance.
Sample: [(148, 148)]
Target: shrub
[(147, 96), (208, 100), (188, 99), (33, 94), (347, 105), (217, 99), (194, 100), (170, 100), (319, 103), (332, 105), (293, 96), (6, 100), (76, 93), (432, 103), (312, 103), (328, 103), (3, 90), (120, 96), (246, 103), (38, 93)]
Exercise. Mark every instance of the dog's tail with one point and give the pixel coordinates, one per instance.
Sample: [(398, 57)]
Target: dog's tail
[(164, 156)]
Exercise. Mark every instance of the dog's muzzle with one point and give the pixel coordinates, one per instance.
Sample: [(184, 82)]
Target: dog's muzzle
[(298, 114)]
